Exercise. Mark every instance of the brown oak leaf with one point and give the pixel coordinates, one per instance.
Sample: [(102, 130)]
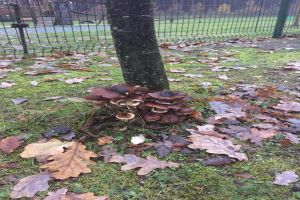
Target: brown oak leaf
[(285, 178), (29, 186), (288, 106), (257, 136), (85, 196), (43, 149), (71, 163), (216, 145), (56, 195), (9, 144), (147, 165)]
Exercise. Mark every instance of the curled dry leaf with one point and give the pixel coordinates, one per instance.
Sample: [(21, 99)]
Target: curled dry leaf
[(45, 149), (56, 195), (85, 196), (216, 146), (9, 144), (105, 140), (29, 186), (146, 165), (289, 106), (71, 163), (285, 178)]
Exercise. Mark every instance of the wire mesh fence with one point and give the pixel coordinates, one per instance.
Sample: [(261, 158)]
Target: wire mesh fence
[(83, 25)]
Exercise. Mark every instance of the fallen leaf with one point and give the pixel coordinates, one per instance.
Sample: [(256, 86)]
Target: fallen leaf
[(223, 77), (174, 70), (60, 130), (29, 186), (72, 163), (9, 144), (85, 196), (207, 130), (138, 139), (56, 195), (18, 101), (193, 75), (74, 80), (293, 138), (218, 161), (105, 140), (34, 83), (52, 147), (285, 178), (8, 165), (216, 146), (5, 85), (53, 98), (289, 106), (163, 150), (146, 165), (257, 136)]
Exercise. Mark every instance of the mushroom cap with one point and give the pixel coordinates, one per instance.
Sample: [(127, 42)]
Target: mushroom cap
[(167, 95), (160, 111), (162, 106), (125, 116), (170, 119), (105, 93), (185, 111), (153, 117)]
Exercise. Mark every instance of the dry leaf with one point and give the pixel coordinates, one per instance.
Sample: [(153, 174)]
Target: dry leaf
[(71, 163), (293, 138), (216, 146), (289, 106), (105, 140), (146, 165), (257, 136), (285, 178), (174, 70), (5, 85), (9, 144), (85, 196), (49, 148), (56, 195), (207, 130), (75, 80), (223, 77), (29, 186)]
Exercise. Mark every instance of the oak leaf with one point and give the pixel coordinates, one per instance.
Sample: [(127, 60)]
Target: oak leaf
[(289, 106), (285, 178), (9, 144), (85, 196), (147, 165), (56, 195), (216, 146), (45, 149), (29, 186), (257, 136), (71, 163)]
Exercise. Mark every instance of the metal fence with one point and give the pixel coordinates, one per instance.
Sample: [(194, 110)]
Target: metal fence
[(46, 26)]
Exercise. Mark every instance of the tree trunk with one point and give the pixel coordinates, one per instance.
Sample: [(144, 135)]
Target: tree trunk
[(297, 17), (132, 26)]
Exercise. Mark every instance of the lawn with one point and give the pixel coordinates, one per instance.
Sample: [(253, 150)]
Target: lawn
[(192, 180)]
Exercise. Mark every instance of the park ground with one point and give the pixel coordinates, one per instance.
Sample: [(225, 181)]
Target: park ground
[(259, 63)]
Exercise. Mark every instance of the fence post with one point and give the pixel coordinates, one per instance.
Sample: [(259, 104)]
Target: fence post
[(19, 25), (282, 16)]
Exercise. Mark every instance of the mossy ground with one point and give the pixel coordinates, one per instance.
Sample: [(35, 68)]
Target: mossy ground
[(192, 180)]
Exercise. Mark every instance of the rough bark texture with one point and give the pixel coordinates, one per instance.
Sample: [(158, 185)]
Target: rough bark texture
[(132, 26)]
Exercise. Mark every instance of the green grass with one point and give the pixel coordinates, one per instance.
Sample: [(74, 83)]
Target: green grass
[(192, 180)]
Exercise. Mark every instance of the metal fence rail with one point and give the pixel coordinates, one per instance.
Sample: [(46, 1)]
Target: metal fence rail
[(83, 25)]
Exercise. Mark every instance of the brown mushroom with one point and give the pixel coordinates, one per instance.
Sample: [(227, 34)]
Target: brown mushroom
[(170, 119), (125, 116), (152, 117), (160, 111), (105, 93), (167, 95), (185, 111)]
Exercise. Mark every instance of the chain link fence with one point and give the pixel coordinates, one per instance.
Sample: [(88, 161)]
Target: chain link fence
[(46, 26)]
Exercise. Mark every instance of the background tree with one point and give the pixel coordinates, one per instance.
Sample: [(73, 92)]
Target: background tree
[(133, 32)]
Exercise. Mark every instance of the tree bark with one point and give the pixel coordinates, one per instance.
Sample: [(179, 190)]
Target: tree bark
[(297, 16), (132, 26)]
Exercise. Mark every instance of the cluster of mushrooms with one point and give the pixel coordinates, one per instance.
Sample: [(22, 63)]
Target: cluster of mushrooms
[(165, 107)]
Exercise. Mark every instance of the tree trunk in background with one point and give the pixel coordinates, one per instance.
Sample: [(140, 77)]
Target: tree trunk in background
[(297, 16), (132, 26)]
